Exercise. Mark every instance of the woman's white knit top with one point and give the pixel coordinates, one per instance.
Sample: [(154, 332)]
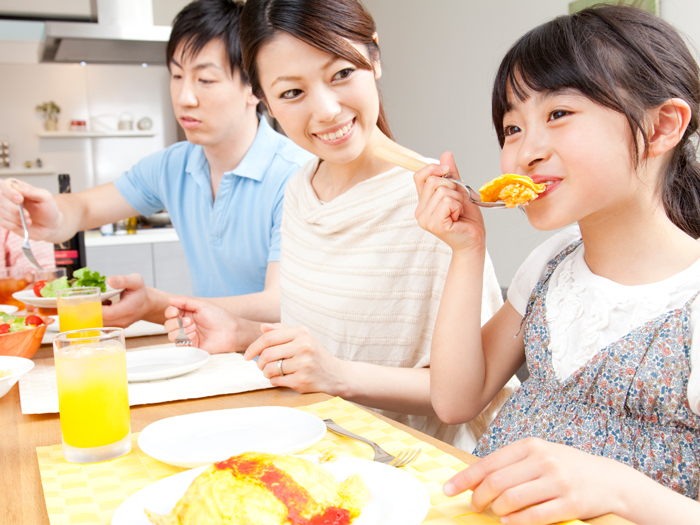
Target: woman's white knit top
[(367, 280)]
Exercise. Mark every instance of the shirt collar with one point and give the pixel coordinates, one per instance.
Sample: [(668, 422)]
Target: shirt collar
[(255, 163), (259, 156)]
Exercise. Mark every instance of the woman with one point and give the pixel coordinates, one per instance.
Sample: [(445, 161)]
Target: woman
[(360, 281)]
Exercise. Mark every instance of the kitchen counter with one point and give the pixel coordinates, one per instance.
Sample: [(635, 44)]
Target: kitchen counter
[(150, 236)]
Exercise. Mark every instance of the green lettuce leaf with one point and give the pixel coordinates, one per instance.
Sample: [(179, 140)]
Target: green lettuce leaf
[(87, 278), (50, 288)]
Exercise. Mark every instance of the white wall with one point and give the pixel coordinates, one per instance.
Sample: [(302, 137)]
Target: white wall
[(438, 62), (83, 92)]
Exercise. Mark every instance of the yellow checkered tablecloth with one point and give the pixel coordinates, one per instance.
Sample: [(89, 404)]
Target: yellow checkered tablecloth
[(89, 494)]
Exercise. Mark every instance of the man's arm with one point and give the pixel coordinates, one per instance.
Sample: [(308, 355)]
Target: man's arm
[(58, 218)]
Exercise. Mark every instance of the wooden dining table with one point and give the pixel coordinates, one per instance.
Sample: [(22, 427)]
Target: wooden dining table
[(21, 494)]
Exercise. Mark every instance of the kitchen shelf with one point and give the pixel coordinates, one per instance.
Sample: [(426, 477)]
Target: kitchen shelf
[(13, 172), (93, 134)]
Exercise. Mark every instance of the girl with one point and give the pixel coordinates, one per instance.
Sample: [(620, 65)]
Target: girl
[(360, 281), (603, 311)]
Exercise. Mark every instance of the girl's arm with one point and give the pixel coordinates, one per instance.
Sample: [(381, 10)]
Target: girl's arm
[(469, 365), (533, 481)]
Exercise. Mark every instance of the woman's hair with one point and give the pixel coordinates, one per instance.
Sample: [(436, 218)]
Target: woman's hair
[(202, 21), (625, 59), (323, 24)]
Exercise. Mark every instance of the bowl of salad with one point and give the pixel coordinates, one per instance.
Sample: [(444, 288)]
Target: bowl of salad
[(20, 336)]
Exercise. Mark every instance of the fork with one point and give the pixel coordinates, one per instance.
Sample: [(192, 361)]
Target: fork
[(413, 164), (26, 249), (402, 458), (181, 339)]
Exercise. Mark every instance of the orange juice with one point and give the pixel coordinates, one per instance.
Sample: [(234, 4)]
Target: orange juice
[(82, 315), (79, 308), (93, 398)]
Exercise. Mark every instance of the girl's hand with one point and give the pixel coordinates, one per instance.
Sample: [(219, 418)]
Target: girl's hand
[(209, 327), (41, 211), (444, 208), (307, 365), (534, 481)]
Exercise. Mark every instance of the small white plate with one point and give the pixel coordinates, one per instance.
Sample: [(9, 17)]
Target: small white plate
[(163, 363), (18, 366), (53, 327), (8, 308), (29, 297), (202, 438), (396, 497)]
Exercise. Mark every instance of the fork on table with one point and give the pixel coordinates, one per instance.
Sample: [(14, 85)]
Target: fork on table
[(402, 457), (181, 339)]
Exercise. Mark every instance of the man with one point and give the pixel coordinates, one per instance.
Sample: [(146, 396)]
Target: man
[(223, 188)]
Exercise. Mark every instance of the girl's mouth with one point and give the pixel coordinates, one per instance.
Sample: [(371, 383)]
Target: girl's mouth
[(338, 136)]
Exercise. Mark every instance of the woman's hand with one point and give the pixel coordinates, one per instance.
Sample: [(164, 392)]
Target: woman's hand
[(209, 327), (533, 481), (444, 208), (307, 366)]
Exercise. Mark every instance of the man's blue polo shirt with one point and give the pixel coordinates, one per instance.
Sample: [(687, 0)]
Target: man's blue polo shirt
[(228, 241)]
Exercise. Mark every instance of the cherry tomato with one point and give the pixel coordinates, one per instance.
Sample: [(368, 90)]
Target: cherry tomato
[(4, 328), (38, 286), (33, 320)]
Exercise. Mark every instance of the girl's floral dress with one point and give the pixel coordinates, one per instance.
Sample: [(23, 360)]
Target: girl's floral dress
[(627, 403)]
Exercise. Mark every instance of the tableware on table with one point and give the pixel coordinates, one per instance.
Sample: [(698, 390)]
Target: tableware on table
[(8, 308), (17, 366), (202, 438), (93, 398), (53, 327), (402, 458), (79, 308), (28, 297), (13, 280), (181, 339), (413, 164), (24, 343), (26, 249), (163, 363), (396, 497)]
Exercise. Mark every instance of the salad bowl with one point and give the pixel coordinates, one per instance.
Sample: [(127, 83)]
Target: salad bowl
[(24, 342)]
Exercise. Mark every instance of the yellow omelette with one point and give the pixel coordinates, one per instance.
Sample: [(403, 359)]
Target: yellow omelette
[(513, 190)]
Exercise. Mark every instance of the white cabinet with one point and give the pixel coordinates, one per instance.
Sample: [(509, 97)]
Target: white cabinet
[(160, 262)]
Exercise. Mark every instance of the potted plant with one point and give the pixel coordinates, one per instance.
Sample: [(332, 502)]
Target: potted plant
[(49, 110)]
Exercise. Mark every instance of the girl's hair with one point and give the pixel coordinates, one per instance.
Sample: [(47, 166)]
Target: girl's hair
[(322, 24), (202, 21), (625, 59)]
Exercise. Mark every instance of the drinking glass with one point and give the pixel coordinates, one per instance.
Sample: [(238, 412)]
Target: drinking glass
[(79, 308), (13, 279), (93, 399)]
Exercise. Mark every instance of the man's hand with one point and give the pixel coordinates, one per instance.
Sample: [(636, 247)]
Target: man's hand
[(40, 209), (136, 302), (209, 327)]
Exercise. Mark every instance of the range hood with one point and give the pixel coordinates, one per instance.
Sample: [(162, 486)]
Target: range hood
[(122, 34)]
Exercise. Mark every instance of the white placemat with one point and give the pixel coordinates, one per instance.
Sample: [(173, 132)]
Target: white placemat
[(222, 374), (138, 329)]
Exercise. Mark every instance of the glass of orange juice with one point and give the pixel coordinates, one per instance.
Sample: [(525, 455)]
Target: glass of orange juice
[(93, 399), (79, 308)]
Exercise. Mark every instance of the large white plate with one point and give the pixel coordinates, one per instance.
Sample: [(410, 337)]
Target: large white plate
[(396, 497), (29, 297), (194, 440), (163, 363)]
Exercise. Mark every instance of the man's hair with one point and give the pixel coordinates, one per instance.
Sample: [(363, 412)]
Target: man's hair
[(202, 21)]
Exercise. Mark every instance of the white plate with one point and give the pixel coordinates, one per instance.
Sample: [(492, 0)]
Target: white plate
[(29, 297), (203, 438), (8, 308), (18, 366), (396, 497), (53, 327), (163, 363)]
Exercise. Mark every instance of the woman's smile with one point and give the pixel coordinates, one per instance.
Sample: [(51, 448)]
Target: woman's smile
[(337, 135)]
